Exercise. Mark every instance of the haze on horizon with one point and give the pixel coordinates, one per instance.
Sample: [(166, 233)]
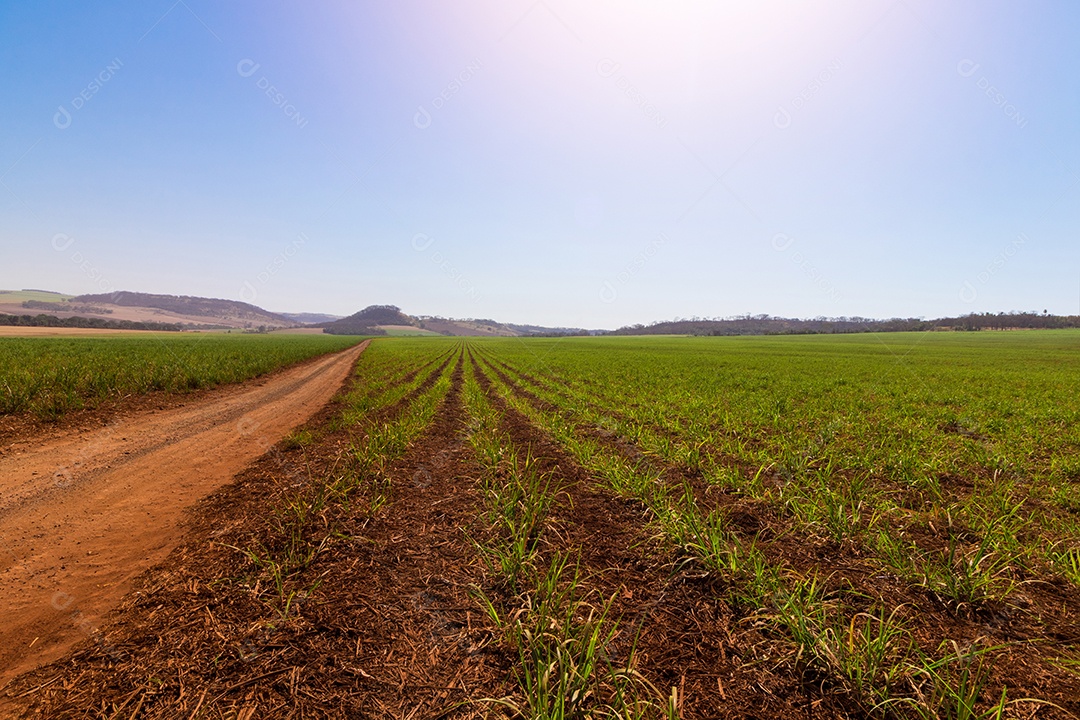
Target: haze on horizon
[(548, 162)]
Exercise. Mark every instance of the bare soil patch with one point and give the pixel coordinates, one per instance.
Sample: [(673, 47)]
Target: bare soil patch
[(17, 331)]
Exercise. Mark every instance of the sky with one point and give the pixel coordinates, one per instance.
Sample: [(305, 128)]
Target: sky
[(552, 162)]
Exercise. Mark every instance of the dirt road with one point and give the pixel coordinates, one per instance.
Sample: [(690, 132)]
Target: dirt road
[(82, 515)]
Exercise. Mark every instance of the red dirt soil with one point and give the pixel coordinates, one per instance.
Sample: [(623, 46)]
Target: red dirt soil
[(83, 514)]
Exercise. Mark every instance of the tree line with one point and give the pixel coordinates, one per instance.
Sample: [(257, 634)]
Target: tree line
[(768, 325), (85, 322)]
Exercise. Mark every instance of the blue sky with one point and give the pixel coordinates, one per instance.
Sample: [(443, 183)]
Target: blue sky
[(561, 163)]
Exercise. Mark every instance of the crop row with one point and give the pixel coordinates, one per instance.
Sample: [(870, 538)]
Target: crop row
[(558, 623), (396, 392)]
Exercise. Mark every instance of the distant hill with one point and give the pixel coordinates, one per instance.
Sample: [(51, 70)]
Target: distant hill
[(541, 330), (185, 312), (310, 318), (379, 319), (190, 313), (368, 320), (466, 328), (215, 311), (199, 313)]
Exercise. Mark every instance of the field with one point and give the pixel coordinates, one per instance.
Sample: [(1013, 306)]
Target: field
[(407, 331), (52, 376), (21, 296), (823, 526), (26, 331)]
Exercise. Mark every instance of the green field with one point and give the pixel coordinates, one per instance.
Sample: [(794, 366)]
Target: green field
[(946, 463), (904, 406), (21, 296), (51, 376), (882, 526)]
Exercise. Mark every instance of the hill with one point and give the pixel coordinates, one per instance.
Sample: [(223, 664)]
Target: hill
[(310, 318), (466, 328), (188, 312), (225, 312), (389, 319), (199, 313), (368, 320)]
